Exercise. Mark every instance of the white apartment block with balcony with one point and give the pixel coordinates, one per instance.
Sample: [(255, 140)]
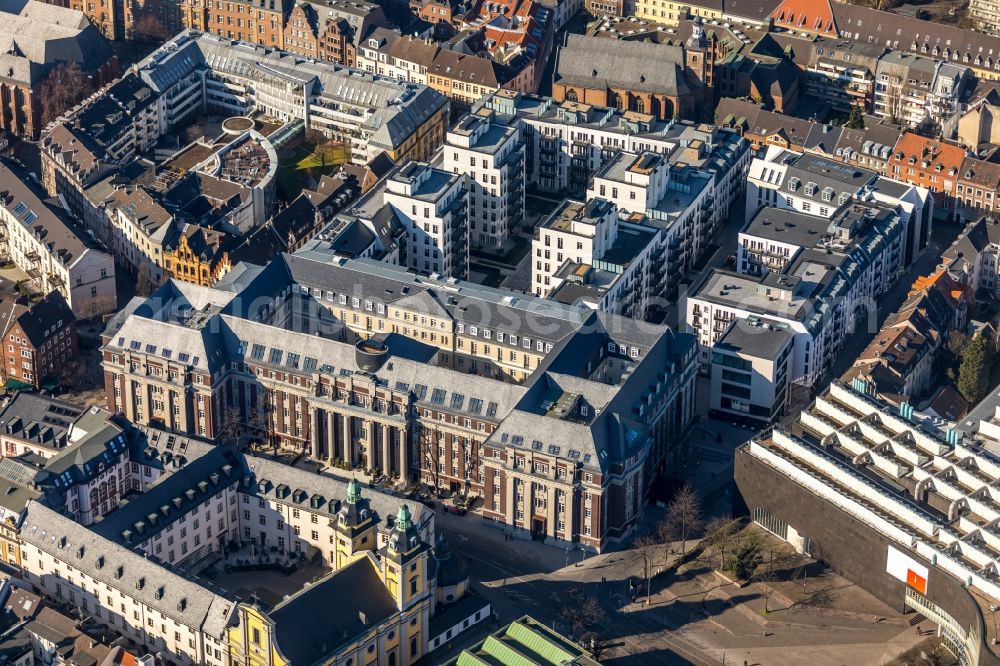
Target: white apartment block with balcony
[(986, 14), (820, 278), (491, 158), (574, 232), (584, 253), (920, 92), (675, 199), (431, 204), (566, 143), (820, 187)]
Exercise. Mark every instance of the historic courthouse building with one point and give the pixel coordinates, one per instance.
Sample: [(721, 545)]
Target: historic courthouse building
[(557, 415)]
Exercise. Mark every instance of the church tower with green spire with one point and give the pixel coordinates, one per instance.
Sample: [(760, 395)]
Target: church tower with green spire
[(404, 560), (355, 527)]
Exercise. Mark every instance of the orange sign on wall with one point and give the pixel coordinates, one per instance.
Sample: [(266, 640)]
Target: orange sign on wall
[(916, 581)]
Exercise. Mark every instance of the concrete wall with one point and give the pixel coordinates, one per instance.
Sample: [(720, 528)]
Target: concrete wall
[(848, 546)]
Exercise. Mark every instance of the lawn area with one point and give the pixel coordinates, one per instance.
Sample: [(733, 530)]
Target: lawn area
[(297, 163), (324, 155)]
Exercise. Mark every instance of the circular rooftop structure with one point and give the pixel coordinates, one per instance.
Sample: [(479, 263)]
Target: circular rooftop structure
[(237, 125), (370, 354)]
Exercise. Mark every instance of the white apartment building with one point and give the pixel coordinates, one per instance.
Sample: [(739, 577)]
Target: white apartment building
[(820, 187), (749, 374), (819, 278), (575, 232), (986, 14), (56, 254), (386, 53), (431, 204), (566, 143), (491, 158), (918, 92), (584, 254), (139, 226), (675, 199)]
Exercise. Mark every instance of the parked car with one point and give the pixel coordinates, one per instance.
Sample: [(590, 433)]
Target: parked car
[(457, 510)]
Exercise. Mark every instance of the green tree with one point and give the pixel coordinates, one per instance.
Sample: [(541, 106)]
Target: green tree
[(974, 370), (745, 558), (857, 118)]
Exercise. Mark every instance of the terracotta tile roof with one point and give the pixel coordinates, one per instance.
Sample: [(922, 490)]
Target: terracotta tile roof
[(813, 16), (931, 152)]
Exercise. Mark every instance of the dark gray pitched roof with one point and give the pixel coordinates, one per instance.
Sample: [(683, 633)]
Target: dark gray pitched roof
[(309, 627), (38, 418), (150, 583), (596, 61)]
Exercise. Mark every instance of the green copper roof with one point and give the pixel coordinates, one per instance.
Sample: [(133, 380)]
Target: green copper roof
[(353, 491), (525, 642), (404, 520)]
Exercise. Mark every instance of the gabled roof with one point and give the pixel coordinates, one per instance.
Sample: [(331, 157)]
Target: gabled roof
[(39, 321), (812, 16), (34, 36), (597, 62)]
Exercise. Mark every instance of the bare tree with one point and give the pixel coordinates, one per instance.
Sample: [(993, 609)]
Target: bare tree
[(765, 579), (579, 610), (193, 132), (721, 533), (74, 373), (892, 99), (94, 307), (65, 85), (429, 454), (231, 426), (684, 515), (143, 281), (645, 548)]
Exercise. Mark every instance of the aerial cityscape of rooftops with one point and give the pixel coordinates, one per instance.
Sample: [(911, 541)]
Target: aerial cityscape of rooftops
[(500, 332)]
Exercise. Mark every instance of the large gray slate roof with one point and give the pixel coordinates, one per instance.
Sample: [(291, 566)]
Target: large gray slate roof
[(150, 583), (593, 61), (35, 35)]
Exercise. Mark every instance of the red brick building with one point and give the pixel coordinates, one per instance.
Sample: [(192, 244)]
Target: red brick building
[(928, 163), (39, 339), (256, 21)]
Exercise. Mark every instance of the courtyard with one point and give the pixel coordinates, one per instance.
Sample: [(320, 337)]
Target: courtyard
[(264, 575), (301, 165)]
